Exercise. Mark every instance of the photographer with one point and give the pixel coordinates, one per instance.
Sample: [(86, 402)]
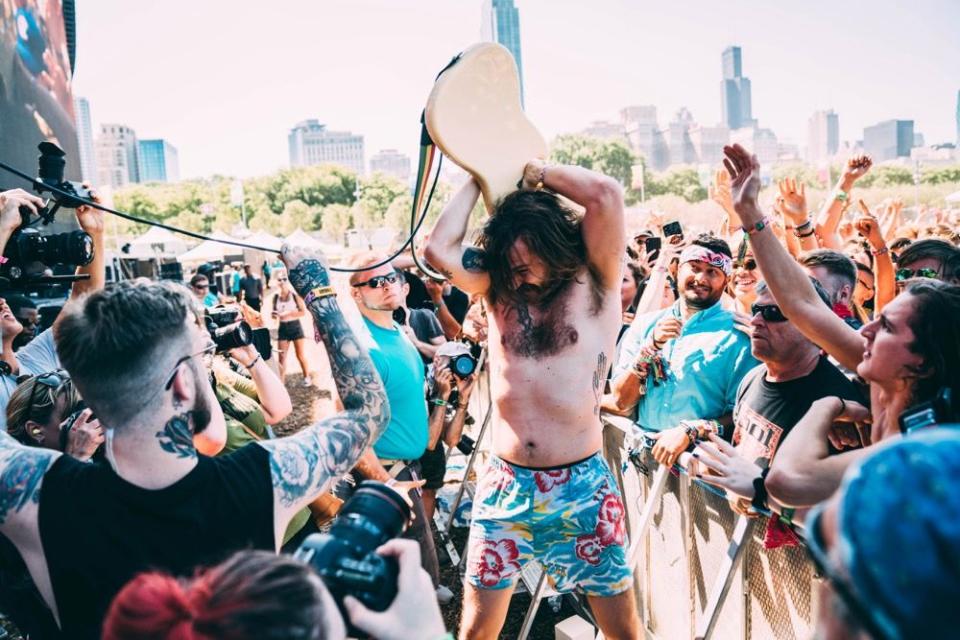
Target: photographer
[(255, 595), (133, 353), (39, 355), (448, 397)]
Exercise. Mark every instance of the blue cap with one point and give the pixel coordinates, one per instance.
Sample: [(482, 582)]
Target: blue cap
[(899, 532)]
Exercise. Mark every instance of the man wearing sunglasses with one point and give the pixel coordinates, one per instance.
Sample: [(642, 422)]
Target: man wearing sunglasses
[(134, 351), (928, 258), (395, 457), (885, 544)]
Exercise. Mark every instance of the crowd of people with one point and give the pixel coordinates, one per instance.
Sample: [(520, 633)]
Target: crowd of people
[(799, 356)]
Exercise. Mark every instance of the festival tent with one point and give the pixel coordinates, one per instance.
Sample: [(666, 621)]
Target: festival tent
[(156, 240), (264, 239), (210, 250), (301, 237), (954, 197)]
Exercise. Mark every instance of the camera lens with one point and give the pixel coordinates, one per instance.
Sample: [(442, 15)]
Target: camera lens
[(232, 336), (463, 365)]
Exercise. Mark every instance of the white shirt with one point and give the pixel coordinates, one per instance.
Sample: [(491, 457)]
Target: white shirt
[(39, 356)]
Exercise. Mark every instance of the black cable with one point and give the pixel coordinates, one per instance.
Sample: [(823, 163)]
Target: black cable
[(199, 236)]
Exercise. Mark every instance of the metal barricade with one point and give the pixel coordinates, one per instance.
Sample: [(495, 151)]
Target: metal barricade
[(694, 579)]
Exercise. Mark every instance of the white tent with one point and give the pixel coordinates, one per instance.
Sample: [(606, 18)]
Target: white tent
[(301, 237), (264, 239), (157, 240), (204, 252), (953, 197)]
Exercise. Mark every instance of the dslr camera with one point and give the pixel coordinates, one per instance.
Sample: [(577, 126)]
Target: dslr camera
[(28, 246), (462, 365), (346, 558), (228, 331)]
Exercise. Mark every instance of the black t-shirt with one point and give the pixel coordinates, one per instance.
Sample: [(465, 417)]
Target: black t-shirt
[(457, 303), (98, 531), (766, 411), (251, 286)]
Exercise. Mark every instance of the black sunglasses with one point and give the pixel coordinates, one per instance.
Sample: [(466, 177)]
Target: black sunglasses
[(201, 286), (53, 380), (816, 550), (377, 282), (749, 264), (769, 312), (906, 274)]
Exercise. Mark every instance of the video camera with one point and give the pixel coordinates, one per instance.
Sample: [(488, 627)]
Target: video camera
[(28, 246), (228, 331), (346, 558)]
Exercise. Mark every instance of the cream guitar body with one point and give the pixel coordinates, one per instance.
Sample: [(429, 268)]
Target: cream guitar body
[(474, 116)]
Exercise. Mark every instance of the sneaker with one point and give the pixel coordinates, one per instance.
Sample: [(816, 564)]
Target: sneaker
[(307, 382), (444, 595)]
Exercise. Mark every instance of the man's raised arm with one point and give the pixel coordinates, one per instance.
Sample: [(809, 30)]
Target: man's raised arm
[(304, 464), (603, 224), (445, 251)]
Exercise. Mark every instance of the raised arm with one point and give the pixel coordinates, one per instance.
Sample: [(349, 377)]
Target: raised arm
[(304, 464), (829, 219), (603, 225), (884, 276), (91, 220), (787, 281), (445, 250)]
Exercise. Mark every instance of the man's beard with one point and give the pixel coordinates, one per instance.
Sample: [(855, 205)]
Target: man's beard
[(200, 415)]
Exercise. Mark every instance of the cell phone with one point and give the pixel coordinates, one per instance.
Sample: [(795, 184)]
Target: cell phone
[(400, 315), (672, 229), (653, 244)]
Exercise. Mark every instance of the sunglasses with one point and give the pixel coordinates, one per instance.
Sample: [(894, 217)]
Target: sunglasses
[(769, 312), (906, 274), (377, 282), (211, 347), (53, 380), (201, 286), (282, 280), (816, 550), (749, 265)]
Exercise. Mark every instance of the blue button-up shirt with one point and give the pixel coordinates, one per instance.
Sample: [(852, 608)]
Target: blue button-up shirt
[(705, 365)]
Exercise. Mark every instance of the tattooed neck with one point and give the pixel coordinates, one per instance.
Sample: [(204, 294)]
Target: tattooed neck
[(177, 437), (308, 275)]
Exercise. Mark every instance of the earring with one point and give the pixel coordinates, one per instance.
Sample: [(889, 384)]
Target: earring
[(35, 431)]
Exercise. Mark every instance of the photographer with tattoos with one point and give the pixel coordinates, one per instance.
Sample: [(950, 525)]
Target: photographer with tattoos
[(134, 352)]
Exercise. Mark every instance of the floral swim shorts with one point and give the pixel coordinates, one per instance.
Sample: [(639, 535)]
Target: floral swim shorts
[(570, 519)]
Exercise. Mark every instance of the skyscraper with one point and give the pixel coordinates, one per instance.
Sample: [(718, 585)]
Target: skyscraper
[(823, 136), (735, 91), (645, 136), (392, 163), (311, 143), (680, 143), (888, 140), (117, 163), (88, 158), (500, 22), (159, 161)]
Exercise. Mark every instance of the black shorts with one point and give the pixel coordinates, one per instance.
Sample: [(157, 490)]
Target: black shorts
[(433, 467), (290, 330)]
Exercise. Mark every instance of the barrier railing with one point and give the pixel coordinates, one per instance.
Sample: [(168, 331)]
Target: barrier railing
[(702, 570)]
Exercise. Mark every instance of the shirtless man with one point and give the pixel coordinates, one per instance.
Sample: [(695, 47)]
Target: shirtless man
[(552, 281)]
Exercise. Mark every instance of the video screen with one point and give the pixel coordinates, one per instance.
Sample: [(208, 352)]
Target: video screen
[(36, 102)]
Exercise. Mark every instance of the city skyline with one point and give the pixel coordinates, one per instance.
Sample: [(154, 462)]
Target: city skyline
[(580, 65)]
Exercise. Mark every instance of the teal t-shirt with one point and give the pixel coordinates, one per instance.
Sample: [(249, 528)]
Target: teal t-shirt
[(401, 369)]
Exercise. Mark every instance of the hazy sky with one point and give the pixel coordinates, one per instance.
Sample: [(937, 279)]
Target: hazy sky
[(224, 81)]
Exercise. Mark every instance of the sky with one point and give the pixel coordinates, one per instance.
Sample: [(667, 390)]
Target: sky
[(224, 81)]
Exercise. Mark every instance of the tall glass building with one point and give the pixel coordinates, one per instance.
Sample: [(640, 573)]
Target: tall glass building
[(735, 91), (158, 161), (500, 22)]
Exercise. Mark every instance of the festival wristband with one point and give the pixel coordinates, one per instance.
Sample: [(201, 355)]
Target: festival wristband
[(842, 196), (254, 362), (439, 402), (319, 292), (880, 251), (762, 224)]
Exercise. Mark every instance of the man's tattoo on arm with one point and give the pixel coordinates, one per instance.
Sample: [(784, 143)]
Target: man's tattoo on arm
[(308, 275), (302, 464), (177, 437), (22, 472), (474, 260)]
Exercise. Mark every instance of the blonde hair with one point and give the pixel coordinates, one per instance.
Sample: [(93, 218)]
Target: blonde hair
[(20, 410)]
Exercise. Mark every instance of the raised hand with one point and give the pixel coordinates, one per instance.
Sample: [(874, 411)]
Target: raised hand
[(90, 218), (856, 168), (533, 174), (744, 173), (719, 192), (868, 227), (793, 200)]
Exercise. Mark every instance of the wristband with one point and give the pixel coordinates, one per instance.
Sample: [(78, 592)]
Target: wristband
[(254, 362), (759, 500), (543, 176), (439, 402), (319, 292), (803, 235), (805, 224), (880, 251), (841, 196), (758, 227), (787, 516)]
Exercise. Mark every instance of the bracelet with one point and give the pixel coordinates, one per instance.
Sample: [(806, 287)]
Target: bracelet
[(758, 227), (543, 177), (805, 224), (254, 362), (880, 251), (657, 346), (843, 406), (691, 431), (804, 235), (759, 500), (787, 516), (841, 195), (319, 292), (440, 402)]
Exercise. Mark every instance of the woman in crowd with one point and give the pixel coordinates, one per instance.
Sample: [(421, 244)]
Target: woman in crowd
[(746, 276), (907, 355), (632, 284), (288, 309)]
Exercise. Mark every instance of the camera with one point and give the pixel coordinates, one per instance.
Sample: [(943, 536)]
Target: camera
[(346, 558), (935, 412), (462, 365), (27, 245), (226, 329)]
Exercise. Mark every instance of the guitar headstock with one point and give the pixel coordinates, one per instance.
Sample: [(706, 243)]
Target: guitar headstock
[(475, 117)]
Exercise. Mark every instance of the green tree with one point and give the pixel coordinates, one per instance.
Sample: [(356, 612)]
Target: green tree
[(377, 194), (941, 175), (335, 220), (610, 157)]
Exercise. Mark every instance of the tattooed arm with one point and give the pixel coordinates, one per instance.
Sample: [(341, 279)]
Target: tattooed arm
[(445, 251), (303, 465), (21, 475)]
